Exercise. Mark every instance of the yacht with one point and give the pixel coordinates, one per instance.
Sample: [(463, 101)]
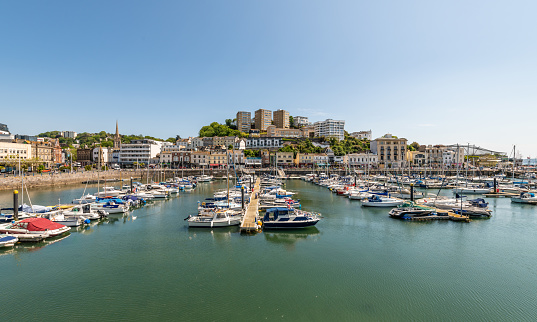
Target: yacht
[(214, 218)]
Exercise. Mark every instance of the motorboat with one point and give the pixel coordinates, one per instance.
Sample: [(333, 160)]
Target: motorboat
[(69, 221), (214, 218), (525, 197), (410, 210), (36, 225), (110, 207), (280, 217), (8, 240), (378, 201)]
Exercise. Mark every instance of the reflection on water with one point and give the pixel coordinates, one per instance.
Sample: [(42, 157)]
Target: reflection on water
[(31, 247), (289, 238)]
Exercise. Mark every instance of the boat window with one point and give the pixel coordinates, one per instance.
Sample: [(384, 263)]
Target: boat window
[(300, 219)]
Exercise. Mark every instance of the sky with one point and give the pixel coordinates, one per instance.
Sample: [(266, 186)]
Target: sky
[(434, 72)]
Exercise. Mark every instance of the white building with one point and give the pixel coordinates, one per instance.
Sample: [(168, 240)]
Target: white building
[(106, 156), (330, 129), (139, 151), (196, 143), (361, 135), (15, 151), (69, 134), (263, 143), (359, 159), (301, 121)]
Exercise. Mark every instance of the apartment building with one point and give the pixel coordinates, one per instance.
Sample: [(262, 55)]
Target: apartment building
[(244, 121), (281, 119), (391, 151), (263, 119), (200, 158), (273, 131), (330, 129), (140, 151), (301, 121)]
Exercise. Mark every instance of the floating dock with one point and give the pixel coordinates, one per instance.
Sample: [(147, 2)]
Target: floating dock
[(249, 221)]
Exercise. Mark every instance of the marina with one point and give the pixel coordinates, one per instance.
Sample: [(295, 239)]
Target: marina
[(363, 264)]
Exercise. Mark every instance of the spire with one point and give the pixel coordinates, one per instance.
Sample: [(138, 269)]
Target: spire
[(117, 139)]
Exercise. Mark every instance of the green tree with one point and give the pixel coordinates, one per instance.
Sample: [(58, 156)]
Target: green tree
[(291, 122), (87, 167)]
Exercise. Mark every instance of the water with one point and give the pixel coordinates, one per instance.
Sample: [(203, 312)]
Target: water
[(356, 264)]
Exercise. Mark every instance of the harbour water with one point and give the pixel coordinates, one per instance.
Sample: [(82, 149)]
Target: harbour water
[(356, 264)]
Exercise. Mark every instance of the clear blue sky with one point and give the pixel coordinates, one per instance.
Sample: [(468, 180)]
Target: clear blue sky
[(435, 72)]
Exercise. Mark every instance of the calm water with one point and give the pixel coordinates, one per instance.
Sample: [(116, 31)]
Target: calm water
[(356, 264)]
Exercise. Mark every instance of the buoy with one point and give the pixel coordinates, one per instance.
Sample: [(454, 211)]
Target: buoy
[(259, 222), (87, 221)]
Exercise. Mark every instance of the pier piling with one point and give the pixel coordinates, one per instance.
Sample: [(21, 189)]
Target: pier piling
[(15, 205)]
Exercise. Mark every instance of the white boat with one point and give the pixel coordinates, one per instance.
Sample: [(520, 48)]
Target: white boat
[(204, 178), (69, 221), (109, 192), (85, 199), (8, 240), (34, 226), (110, 207), (525, 197), (378, 201), (217, 218)]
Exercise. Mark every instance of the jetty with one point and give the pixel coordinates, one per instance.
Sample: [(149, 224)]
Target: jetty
[(249, 221)]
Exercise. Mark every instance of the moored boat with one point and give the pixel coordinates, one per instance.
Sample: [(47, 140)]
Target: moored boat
[(281, 217)]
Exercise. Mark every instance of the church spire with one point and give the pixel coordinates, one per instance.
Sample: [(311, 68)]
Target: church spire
[(117, 139)]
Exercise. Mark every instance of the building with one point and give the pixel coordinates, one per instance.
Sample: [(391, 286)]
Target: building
[(391, 151), (236, 157), (263, 119), (117, 138), (102, 156), (330, 129), (208, 141), (273, 131), (24, 137), (361, 159), (200, 158), (304, 159), (224, 141), (56, 151), (416, 158), (281, 119), (197, 142), (253, 162), (263, 143), (141, 151), (244, 121), (5, 135), (14, 151), (300, 121), (84, 156), (218, 158), (68, 134), (362, 135), (282, 158)]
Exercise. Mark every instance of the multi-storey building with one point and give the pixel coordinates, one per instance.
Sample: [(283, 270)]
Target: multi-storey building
[(416, 158), (236, 157), (301, 121), (281, 119), (391, 151), (361, 135), (304, 159), (102, 156), (200, 158), (263, 143), (84, 156), (14, 151), (330, 129), (244, 121), (282, 158), (140, 151), (208, 141), (197, 142), (217, 158), (273, 131), (5, 135), (225, 141), (263, 119), (361, 159), (69, 134)]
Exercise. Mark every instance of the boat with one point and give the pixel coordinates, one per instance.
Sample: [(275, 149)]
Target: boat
[(34, 226), (525, 197), (110, 207), (410, 210), (8, 240), (378, 201), (214, 218), (280, 217)]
